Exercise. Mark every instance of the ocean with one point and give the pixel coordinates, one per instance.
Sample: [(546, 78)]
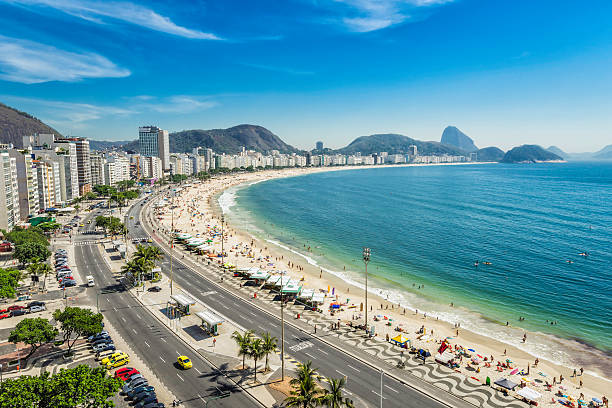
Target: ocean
[(427, 226)]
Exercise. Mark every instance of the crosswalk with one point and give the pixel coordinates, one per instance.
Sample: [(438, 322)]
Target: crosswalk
[(83, 243)]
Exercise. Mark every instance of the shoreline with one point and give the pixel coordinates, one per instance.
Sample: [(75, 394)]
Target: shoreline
[(313, 276)]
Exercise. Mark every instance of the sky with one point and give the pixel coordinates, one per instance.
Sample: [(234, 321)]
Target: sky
[(505, 72)]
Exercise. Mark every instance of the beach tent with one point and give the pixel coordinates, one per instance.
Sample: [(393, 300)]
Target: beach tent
[(283, 281), (506, 383), (260, 275), (292, 287), (400, 340), (252, 271), (444, 358), (306, 294), (272, 280), (528, 393), (318, 298)]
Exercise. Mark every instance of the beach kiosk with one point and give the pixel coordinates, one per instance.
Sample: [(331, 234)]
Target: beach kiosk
[(259, 276), (291, 289), (210, 322), (182, 303)]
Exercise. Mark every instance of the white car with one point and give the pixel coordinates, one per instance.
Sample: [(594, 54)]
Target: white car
[(35, 309)]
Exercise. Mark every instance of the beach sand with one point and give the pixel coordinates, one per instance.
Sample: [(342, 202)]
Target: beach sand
[(197, 212)]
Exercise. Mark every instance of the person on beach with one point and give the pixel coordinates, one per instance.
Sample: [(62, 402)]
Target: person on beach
[(581, 370), (574, 375)]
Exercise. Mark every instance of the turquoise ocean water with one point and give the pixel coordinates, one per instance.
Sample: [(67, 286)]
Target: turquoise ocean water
[(428, 225)]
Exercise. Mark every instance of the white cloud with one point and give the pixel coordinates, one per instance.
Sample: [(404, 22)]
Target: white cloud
[(372, 15), (181, 104), (30, 62), (131, 13)]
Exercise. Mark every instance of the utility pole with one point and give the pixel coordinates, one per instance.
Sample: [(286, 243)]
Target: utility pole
[(222, 240), (366, 259), (171, 242), (282, 334), (381, 387)]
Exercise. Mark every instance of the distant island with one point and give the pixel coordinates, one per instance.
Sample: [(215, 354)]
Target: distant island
[(530, 154)]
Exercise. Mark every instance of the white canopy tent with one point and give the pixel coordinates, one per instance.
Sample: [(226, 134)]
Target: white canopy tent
[(210, 321), (306, 294), (528, 393), (318, 298)]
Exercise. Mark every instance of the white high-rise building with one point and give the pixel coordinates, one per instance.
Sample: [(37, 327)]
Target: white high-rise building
[(97, 169), (116, 169), (48, 174), (9, 192)]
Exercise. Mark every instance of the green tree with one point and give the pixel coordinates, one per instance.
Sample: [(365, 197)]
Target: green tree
[(77, 322), (81, 386), (33, 332), (136, 268), (40, 268), (9, 282), (131, 194), (31, 252), (90, 196), (104, 190), (243, 341), (332, 396), (269, 346), (305, 393), (50, 226), (256, 352), (20, 236)]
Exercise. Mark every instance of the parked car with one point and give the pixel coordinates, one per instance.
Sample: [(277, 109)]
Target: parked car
[(147, 400), (117, 362), (125, 373), (103, 346), (142, 395), (154, 405), (131, 379), (35, 309), (97, 336), (154, 289), (132, 384), (104, 340), (143, 388), (36, 303), (4, 315), (15, 307), (103, 354), (113, 356), (18, 312), (69, 283), (108, 347)]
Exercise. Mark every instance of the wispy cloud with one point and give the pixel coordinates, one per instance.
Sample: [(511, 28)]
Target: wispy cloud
[(30, 62), (283, 70), (372, 15), (131, 13), (179, 104)]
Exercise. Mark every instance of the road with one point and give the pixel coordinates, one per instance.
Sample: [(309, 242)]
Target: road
[(364, 382), (150, 339)]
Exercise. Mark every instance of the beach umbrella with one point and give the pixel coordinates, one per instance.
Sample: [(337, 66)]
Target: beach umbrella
[(475, 360), (597, 400), (472, 350)]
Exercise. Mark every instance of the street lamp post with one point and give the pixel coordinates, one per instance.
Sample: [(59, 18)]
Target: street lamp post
[(222, 240), (171, 242), (282, 334), (366, 259)]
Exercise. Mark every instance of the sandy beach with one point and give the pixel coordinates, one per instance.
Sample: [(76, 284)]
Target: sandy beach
[(197, 212)]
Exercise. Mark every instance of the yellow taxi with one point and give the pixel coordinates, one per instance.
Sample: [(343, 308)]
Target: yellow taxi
[(184, 362), (113, 356), (118, 362)]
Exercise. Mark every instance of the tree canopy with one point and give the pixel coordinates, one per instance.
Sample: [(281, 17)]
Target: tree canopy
[(9, 282), (31, 252), (77, 322), (82, 387), (33, 332), (20, 236)]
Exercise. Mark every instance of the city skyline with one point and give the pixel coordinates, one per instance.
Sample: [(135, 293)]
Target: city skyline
[(338, 71)]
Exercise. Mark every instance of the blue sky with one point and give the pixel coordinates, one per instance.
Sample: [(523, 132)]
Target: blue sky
[(505, 72)]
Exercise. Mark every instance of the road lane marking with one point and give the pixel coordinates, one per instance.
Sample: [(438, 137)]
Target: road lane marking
[(199, 396), (177, 374), (124, 321), (147, 343), (108, 300), (342, 374), (224, 306), (164, 340), (162, 359), (383, 397), (177, 352), (324, 352), (134, 331), (350, 366), (199, 372), (310, 355), (138, 316), (252, 314), (391, 389)]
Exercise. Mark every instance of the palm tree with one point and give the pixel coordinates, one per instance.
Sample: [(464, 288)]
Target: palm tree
[(243, 341), (332, 397), (44, 269), (269, 345), (256, 352), (306, 393)]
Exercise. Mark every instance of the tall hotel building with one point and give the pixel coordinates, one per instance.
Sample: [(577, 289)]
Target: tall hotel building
[(155, 142)]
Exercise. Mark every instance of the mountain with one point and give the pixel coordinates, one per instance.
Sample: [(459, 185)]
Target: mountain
[(558, 152), (490, 154), (394, 144), (604, 154), (454, 137), (15, 124), (105, 145), (230, 140), (529, 154)]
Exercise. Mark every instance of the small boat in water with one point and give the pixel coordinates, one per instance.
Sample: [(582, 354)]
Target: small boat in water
[(487, 263), (476, 263), (585, 254)]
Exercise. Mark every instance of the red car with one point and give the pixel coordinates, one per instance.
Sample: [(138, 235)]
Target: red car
[(15, 307), (125, 373), (4, 316), (4, 310)]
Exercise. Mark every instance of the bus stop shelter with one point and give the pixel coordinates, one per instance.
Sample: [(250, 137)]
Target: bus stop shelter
[(210, 322), (182, 303)]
